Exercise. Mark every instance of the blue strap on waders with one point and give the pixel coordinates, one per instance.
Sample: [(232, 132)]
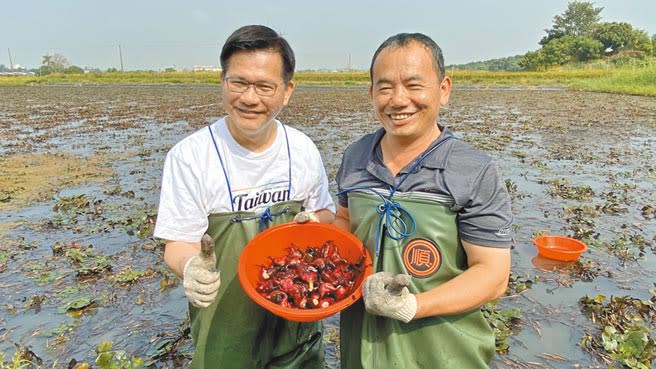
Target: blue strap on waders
[(267, 215), (391, 215)]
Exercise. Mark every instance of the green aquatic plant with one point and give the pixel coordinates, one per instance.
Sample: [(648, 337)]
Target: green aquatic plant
[(16, 362), (518, 284), (127, 276), (23, 358), (503, 322), (580, 220), (625, 325), (77, 305), (564, 189), (115, 359)]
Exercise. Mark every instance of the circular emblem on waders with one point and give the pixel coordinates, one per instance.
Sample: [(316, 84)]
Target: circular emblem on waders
[(421, 257)]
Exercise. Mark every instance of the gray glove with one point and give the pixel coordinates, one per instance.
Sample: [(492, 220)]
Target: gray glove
[(387, 295), (306, 216), (201, 280)]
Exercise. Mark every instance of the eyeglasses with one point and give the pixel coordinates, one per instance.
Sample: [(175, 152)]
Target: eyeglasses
[(261, 88)]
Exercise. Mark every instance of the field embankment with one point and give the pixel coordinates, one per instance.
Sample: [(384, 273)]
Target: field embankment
[(624, 80)]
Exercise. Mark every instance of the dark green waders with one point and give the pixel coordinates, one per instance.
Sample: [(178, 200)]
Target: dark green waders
[(463, 341), (236, 333)]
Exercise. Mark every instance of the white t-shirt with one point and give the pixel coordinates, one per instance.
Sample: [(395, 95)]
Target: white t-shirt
[(195, 186)]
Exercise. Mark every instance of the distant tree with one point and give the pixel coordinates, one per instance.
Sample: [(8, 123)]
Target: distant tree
[(3, 68), (586, 48), (42, 71), (640, 41), (52, 64), (73, 69), (580, 19), (532, 60), (615, 36), (501, 64), (112, 70), (562, 50), (169, 69), (653, 44), (558, 51)]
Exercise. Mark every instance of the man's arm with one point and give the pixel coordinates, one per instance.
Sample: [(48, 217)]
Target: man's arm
[(200, 279), (485, 280), (177, 253), (342, 219), (325, 215)]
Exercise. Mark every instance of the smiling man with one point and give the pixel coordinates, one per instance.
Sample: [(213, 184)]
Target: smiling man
[(434, 213), (221, 186)]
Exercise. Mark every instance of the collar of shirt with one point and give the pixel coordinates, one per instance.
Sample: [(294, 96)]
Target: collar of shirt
[(435, 160)]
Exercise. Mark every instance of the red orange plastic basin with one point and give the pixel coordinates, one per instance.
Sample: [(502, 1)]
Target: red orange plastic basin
[(559, 247), (275, 241)]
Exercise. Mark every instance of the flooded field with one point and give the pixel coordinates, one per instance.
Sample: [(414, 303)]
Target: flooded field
[(79, 182)]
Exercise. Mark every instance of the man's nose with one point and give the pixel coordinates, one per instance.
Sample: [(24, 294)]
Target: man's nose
[(250, 95), (399, 95)]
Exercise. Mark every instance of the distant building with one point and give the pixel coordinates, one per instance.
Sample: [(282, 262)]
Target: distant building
[(18, 70), (205, 68), (17, 73)]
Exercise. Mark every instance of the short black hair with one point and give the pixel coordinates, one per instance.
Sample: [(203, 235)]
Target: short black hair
[(258, 37), (403, 39)]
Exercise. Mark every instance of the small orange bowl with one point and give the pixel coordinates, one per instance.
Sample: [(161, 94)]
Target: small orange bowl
[(559, 247), (275, 241)]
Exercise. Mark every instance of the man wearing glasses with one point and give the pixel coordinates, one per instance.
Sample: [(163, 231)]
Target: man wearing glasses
[(225, 183)]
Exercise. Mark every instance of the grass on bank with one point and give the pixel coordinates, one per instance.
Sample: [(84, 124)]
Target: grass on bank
[(631, 81), (625, 80)]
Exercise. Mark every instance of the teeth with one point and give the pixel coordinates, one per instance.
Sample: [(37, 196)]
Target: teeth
[(400, 116)]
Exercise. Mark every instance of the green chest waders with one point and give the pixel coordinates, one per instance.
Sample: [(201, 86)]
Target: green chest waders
[(432, 254), (234, 332)]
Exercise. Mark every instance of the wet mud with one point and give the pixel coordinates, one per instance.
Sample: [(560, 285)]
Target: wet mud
[(79, 182)]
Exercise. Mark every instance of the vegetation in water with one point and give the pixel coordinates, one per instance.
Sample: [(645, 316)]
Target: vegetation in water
[(624, 329)]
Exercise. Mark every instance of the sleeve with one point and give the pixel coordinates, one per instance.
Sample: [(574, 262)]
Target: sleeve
[(486, 218), (319, 194), (342, 197), (352, 168), (181, 214)]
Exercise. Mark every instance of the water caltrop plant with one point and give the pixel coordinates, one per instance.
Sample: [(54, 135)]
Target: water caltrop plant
[(111, 359), (625, 324)]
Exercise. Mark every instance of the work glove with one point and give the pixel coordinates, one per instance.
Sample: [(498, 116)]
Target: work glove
[(306, 216), (200, 278), (387, 294)]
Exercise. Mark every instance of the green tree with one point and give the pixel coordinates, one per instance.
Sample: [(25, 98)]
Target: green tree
[(558, 51), (639, 41), (52, 64), (585, 48), (615, 36), (532, 60), (653, 44), (580, 19), (563, 50), (73, 69)]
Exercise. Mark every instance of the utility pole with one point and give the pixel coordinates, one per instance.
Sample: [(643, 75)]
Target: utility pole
[(348, 66), (120, 56), (11, 62)]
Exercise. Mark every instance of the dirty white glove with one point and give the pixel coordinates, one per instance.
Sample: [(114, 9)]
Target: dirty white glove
[(200, 278), (306, 216), (387, 294)]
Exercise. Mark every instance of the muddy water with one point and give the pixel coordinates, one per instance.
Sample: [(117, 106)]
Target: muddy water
[(578, 164)]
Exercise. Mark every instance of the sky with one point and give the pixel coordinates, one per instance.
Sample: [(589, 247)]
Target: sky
[(337, 34)]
